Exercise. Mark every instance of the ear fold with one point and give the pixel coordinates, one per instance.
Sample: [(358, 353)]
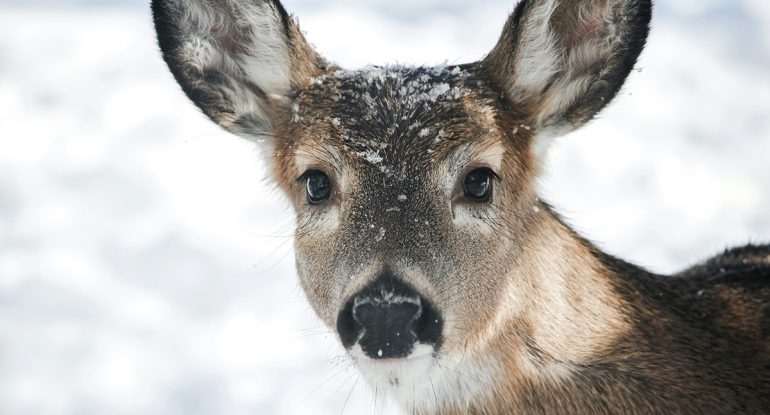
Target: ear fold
[(235, 59), (561, 61)]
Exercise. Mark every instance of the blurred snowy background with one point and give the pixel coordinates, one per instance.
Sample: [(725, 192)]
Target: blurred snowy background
[(146, 267)]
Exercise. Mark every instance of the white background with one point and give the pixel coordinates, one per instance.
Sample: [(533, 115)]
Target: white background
[(146, 265)]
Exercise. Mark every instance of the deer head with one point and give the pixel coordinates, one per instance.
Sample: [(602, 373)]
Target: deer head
[(419, 235)]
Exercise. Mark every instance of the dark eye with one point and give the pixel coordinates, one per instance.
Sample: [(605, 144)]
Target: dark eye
[(478, 184), (318, 186)]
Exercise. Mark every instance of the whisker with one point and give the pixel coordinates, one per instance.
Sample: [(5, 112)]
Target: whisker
[(337, 373), (349, 394)]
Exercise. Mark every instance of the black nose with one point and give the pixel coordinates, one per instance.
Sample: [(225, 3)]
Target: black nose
[(387, 318)]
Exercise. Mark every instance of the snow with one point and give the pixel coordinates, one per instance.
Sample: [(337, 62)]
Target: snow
[(381, 235), (370, 156), (146, 266), (435, 93)]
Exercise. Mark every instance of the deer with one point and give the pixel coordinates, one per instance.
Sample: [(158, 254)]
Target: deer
[(420, 237)]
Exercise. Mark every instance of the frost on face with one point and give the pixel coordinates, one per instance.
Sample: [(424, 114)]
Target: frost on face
[(295, 117), (374, 88), (409, 86), (392, 118), (370, 156), (374, 158), (380, 235)]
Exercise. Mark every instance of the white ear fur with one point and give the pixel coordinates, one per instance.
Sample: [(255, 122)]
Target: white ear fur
[(562, 61), (264, 57), (540, 57), (235, 59), (537, 60)]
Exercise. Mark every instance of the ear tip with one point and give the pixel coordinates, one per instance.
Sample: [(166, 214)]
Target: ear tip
[(643, 10), (642, 14), (159, 10)]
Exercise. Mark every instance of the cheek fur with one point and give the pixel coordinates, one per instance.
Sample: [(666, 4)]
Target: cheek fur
[(473, 219), (317, 221)]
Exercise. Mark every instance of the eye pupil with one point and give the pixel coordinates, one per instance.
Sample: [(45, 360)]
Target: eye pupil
[(478, 184), (318, 187)]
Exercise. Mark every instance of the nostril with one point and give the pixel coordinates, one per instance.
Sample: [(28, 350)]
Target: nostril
[(347, 327), (429, 325)]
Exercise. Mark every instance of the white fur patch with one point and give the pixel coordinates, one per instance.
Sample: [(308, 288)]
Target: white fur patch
[(537, 58), (263, 57), (243, 40), (547, 71), (423, 383), (463, 216), (393, 373), (540, 55), (319, 222)]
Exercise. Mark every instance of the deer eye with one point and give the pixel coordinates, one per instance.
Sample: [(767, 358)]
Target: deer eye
[(318, 186), (478, 184)]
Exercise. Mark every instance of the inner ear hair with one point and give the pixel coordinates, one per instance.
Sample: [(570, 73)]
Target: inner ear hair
[(562, 61), (235, 59)]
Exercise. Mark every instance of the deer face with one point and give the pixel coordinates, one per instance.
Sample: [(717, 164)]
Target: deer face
[(413, 187), (403, 193)]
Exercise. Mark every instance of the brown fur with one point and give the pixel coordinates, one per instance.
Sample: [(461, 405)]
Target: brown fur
[(536, 319), (628, 341)]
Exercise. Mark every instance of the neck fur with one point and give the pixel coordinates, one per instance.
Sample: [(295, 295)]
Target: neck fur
[(559, 313)]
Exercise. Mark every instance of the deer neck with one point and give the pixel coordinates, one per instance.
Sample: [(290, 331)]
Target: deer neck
[(561, 308), (559, 313)]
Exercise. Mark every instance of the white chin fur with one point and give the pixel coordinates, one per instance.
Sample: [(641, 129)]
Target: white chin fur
[(392, 373), (424, 383)]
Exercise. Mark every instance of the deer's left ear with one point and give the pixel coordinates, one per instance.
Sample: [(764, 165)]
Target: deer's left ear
[(561, 61)]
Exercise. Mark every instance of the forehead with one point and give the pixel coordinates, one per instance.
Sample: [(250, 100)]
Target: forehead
[(394, 116)]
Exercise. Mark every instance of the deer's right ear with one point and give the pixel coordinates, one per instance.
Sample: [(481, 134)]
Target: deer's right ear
[(238, 60), (561, 61)]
